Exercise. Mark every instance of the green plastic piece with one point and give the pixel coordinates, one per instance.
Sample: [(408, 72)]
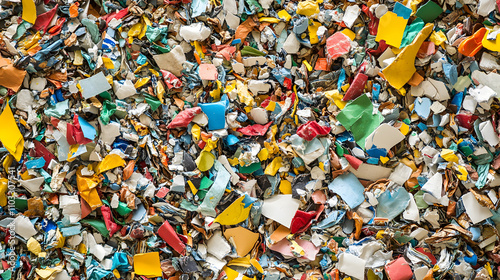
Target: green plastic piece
[(21, 204), (429, 11), (419, 199), (93, 29), (411, 31), (249, 51), (152, 101), (205, 184), (108, 109), (6, 275), (161, 49), (153, 34), (123, 209), (99, 225), (250, 169)]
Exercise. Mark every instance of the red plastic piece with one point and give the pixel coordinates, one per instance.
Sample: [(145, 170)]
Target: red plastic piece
[(337, 45), (356, 88), (399, 269), (255, 130), (167, 233), (42, 21), (311, 129), (353, 161), (108, 220), (184, 118)]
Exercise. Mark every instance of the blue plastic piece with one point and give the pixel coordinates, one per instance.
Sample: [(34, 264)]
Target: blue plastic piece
[(402, 11), (35, 163), (216, 113)]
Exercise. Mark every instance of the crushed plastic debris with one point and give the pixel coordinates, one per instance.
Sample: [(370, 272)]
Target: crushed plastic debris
[(249, 139)]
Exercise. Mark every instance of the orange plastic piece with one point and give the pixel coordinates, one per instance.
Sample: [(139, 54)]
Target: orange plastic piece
[(205, 136), (53, 198), (416, 79), (128, 170), (197, 57), (321, 64), (35, 207), (73, 10), (471, 45)]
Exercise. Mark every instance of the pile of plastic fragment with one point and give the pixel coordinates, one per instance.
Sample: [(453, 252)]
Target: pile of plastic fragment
[(249, 139)]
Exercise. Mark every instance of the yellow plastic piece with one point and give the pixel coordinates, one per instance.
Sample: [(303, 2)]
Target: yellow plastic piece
[(413, 5), (271, 106), (233, 161), (336, 97), (391, 28), (194, 190), (274, 166), (400, 71), (210, 145), (410, 163), (29, 11), (60, 239), (313, 34), (234, 213), (87, 188), (438, 37), (244, 95), (307, 8), (345, 87), (34, 246), (205, 161), (28, 43), (216, 92), (78, 60), (198, 49), (384, 159), (141, 82), (82, 249), (269, 19), (7, 162), (233, 274), (109, 162), (135, 30), (263, 155), (449, 155), (109, 78), (108, 63), (148, 264), (463, 172), (49, 272), (308, 66), (404, 128), (4, 184), (257, 265), (283, 14), (349, 33), (439, 141), (492, 45), (160, 92), (196, 132), (10, 136), (285, 187), (488, 268)]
